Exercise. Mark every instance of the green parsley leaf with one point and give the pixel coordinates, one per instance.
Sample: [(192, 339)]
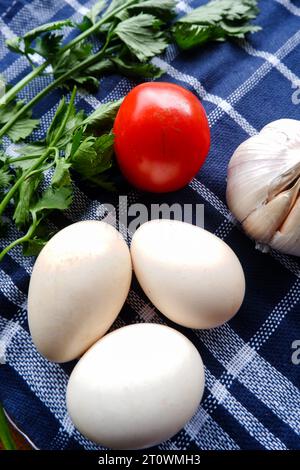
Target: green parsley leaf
[(164, 9), (54, 198), (215, 21), (34, 246), (142, 36), (42, 234), (35, 149), (22, 128), (61, 176), (9, 110), (46, 27), (93, 156), (72, 57), (100, 67), (57, 120), (26, 155), (27, 193), (5, 179), (137, 69), (68, 60), (23, 44), (48, 45), (103, 117)]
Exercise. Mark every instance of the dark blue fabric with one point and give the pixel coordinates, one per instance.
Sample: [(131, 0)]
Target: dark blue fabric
[(252, 397)]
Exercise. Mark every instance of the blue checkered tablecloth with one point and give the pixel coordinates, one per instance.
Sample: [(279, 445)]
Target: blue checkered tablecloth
[(252, 396)]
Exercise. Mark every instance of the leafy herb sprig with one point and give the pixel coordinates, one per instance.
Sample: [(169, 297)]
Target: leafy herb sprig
[(69, 145), (130, 33), (216, 21)]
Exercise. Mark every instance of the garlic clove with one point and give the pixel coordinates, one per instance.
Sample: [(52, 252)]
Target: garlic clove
[(287, 239), (280, 183), (248, 189), (263, 222)]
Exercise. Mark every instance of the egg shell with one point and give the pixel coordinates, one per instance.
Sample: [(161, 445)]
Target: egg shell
[(78, 286), (189, 274), (136, 387)]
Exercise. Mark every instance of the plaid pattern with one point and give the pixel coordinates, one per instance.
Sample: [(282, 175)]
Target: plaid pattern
[(252, 397)]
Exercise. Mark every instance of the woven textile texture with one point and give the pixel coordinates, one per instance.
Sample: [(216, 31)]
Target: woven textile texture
[(252, 396)]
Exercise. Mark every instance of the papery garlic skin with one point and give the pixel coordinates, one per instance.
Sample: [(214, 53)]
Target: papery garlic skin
[(263, 186)]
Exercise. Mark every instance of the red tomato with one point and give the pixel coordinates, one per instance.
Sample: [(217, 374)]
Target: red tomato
[(161, 136)]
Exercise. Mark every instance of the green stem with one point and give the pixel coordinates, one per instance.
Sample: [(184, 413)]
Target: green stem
[(11, 161), (8, 196), (50, 87), (11, 94), (21, 240), (5, 434), (64, 122), (96, 26)]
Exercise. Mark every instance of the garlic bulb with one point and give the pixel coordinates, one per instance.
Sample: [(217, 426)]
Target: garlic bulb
[(263, 186)]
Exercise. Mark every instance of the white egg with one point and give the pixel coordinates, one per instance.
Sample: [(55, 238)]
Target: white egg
[(78, 286), (189, 274), (136, 387)]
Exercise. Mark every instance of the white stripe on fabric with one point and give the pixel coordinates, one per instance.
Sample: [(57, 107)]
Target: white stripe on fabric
[(210, 197), (46, 379), (7, 334), (14, 70), (287, 261), (289, 6), (6, 31), (284, 307), (273, 59), (211, 436), (11, 291), (224, 229), (224, 398), (244, 362), (198, 87), (273, 389), (77, 6), (254, 427), (255, 78)]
